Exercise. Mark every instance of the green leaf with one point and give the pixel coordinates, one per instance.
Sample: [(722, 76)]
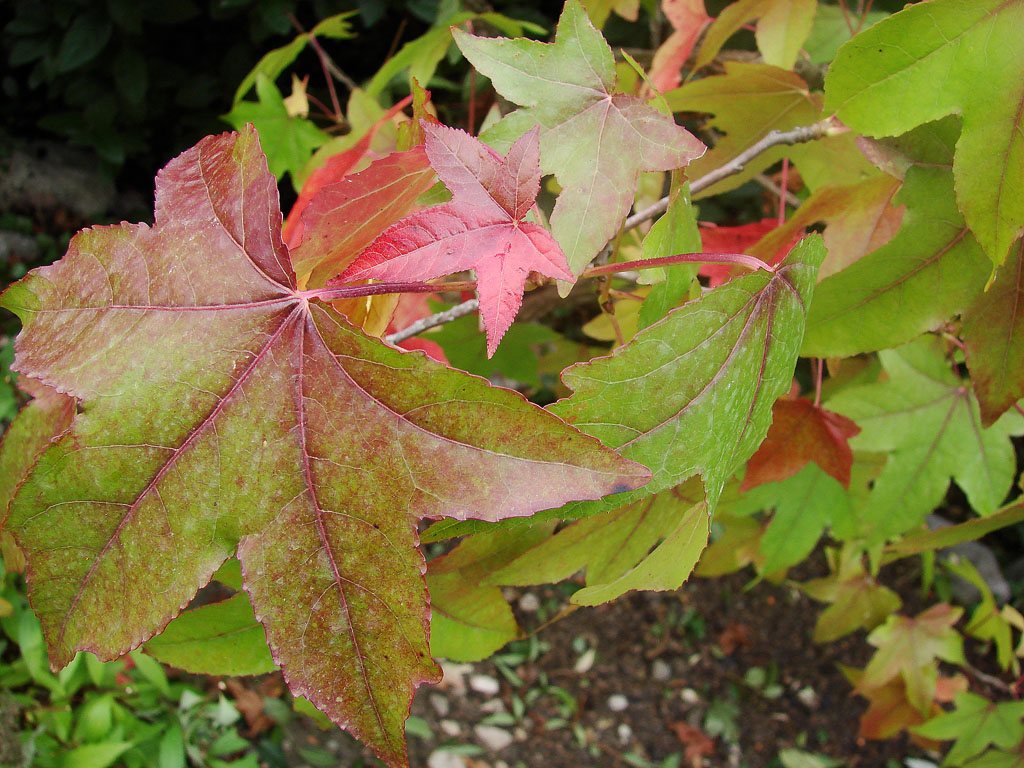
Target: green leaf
[(674, 232), (276, 61), (997, 758), (782, 27), (993, 333), (948, 535), (85, 38), (568, 88), (805, 504), (151, 671), (936, 59), (95, 755), (608, 545), (289, 141), (693, 393), (931, 270), (218, 639), (225, 412), (516, 358), (975, 724), (720, 360), (832, 28), (470, 619), (930, 423)]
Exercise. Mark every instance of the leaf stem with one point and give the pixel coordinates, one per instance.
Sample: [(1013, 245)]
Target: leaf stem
[(333, 293), (740, 259)]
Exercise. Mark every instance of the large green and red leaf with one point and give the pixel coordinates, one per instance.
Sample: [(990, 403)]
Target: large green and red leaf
[(225, 411)]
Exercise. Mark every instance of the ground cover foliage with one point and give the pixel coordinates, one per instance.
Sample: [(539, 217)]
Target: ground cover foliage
[(212, 399)]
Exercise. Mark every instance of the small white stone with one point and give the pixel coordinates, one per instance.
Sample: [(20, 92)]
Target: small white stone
[(529, 603), (618, 703), (492, 737), (625, 733), (450, 728), (585, 661), (689, 695), (442, 758), (484, 684), (453, 676), (808, 697), (440, 704), (493, 706), (520, 734), (500, 764), (661, 671)]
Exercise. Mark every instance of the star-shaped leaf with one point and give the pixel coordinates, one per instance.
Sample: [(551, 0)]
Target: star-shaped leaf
[(482, 228), (936, 59), (976, 723), (801, 432), (226, 412), (909, 647), (568, 88), (928, 420)]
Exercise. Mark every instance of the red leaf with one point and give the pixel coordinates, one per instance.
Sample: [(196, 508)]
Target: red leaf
[(482, 228), (800, 433), (337, 167), (739, 240), (225, 412), (698, 744)]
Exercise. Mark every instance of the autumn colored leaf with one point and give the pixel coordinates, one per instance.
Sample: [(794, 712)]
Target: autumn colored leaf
[(802, 432), (928, 422), (993, 332), (332, 171), (345, 217), (688, 19), (942, 58), (226, 412), (697, 744), (735, 549), (568, 88), (782, 28), (482, 228), (889, 712), (908, 648), (857, 599), (600, 10), (860, 219), (740, 239), (470, 619)]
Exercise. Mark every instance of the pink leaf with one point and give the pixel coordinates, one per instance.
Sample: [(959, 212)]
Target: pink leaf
[(482, 228)]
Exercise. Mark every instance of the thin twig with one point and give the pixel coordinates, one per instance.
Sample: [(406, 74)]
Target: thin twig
[(986, 678), (791, 199), (799, 135), (440, 318)]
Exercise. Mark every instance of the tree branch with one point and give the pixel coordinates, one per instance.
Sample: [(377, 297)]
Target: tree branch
[(799, 135), (440, 318)]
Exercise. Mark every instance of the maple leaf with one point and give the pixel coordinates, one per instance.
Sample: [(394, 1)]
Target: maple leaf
[(782, 27), (688, 19), (914, 67), (858, 600), (482, 228), (889, 712), (908, 647), (225, 412), (927, 420), (568, 88), (802, 432), (993, 333), (975, 724)]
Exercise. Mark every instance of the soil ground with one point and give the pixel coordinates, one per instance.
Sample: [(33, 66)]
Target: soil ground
[(711, 675)]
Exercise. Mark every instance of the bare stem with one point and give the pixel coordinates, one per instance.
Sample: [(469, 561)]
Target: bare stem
[(440, 318), (741, 259), (799, 135)]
